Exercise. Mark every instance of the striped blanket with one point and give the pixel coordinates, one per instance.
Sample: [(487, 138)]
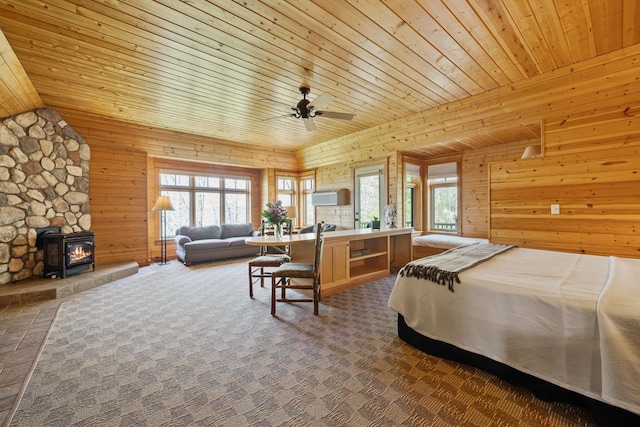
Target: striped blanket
[(444, 268)]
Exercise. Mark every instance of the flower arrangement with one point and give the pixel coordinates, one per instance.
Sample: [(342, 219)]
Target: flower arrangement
[(275, 213)]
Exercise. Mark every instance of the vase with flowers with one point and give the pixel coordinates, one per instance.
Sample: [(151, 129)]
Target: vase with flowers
[(276, 215)]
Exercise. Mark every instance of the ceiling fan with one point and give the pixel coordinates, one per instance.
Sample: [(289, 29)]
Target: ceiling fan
[(307, 110)]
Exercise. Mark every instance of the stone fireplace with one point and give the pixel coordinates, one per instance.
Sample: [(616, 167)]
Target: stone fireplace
[(44, 182)]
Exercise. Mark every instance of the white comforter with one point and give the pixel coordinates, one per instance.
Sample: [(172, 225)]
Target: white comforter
[(573, 320)]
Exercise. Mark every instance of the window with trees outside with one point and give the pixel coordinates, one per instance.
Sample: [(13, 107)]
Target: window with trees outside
[(306, 211), (412, 179), (205, 199), (286, 190), (443, 197)]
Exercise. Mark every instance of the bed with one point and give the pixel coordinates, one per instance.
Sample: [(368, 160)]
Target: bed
[(432, 244), (565, 325)]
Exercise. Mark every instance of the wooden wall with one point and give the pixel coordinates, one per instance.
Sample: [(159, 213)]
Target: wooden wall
[(17, 93), (475, 184), (119, 211), (591, 168), (157, 142), (124, 162), (341, 175), (581, 95)]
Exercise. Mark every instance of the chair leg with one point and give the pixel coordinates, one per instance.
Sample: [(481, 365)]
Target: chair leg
[(316, 297), (250, 283), (273, 295)]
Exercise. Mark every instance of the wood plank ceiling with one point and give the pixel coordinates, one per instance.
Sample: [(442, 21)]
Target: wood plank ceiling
[(224, 68)]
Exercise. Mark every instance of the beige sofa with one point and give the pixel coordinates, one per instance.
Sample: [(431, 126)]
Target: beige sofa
[(212, 242)]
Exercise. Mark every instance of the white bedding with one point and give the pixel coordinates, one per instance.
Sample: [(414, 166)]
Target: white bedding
[(445, 241), (540, 312)]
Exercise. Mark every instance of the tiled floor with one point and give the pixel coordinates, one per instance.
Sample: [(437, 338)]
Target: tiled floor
[(22, 332), (24, 327)]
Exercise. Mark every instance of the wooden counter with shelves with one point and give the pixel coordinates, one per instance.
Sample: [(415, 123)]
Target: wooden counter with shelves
[(354, 257)]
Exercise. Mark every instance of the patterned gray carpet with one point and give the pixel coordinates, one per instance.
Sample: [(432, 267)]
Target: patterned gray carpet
[(178, 346)]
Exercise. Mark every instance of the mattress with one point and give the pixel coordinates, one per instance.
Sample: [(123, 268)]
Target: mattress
[(538, 312)]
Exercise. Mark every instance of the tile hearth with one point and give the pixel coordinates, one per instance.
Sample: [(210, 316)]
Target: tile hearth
[(41, 289)]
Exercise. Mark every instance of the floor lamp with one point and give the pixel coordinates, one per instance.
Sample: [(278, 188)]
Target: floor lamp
[(163, 204)]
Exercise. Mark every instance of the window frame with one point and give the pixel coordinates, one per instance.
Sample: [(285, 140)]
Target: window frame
[(298, 194), (439, 180), (305, 207), (192, 188)]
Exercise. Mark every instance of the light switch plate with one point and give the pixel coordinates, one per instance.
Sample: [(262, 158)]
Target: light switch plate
[(555, 209)]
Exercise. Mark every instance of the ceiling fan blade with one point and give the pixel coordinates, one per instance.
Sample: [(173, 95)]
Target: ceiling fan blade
[(309, 124), (335, 115), (322, 100)]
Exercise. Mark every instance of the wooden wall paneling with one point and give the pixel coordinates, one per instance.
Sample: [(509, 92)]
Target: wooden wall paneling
[(158, 142), (614, 129), (474, 175), (592, 170), (335, 177), (17, 93), (119, 211)]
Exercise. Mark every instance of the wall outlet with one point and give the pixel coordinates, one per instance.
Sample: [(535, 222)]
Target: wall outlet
[(555, 209)]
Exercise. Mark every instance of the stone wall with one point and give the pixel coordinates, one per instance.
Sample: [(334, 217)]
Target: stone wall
[(44, 181)]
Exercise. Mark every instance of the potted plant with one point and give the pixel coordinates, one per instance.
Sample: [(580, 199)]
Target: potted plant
[(375, 224)]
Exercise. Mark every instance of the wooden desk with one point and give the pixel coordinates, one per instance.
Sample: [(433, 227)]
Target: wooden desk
[(271, 240), (350, 257)]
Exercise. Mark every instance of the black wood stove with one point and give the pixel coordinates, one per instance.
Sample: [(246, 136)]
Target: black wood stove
[(66, 254)]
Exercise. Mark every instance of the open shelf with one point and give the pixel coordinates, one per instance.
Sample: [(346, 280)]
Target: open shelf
[(371, 255), (353, 258)]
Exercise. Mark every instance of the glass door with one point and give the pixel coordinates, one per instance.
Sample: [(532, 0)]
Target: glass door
[(369, 196)]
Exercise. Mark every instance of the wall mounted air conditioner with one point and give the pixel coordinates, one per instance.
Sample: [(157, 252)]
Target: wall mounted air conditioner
[(330, 198)]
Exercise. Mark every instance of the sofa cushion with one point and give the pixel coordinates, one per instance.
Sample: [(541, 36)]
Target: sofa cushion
[(206, 244), (199, 233), (236, 241), (235, 230)]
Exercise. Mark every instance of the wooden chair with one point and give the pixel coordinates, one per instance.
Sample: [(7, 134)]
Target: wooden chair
[(260, 267), (281, 277)]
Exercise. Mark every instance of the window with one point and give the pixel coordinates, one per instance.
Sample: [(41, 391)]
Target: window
[(443, 197), (412, 179), (307, 212), (286, 190), (205, 200), (369, 184)]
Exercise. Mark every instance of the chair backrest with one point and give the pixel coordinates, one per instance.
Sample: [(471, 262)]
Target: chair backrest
[(314, 227), (264, 228), (317, 259)]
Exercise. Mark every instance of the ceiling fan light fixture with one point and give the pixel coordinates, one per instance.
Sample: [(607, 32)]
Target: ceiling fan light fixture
[(307, 110)]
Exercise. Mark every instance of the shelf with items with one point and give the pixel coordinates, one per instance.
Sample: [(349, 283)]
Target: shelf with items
[(355, 257), (368, 255)]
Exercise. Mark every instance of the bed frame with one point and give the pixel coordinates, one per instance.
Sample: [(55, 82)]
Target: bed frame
[(607, 415), (421, 251)]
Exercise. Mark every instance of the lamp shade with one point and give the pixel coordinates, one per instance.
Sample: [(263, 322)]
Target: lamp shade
[(531, 151), (163, 204), (292, 212)]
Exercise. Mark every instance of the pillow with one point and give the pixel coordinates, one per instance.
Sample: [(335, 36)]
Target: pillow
[(200, 233), (236, 230)]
